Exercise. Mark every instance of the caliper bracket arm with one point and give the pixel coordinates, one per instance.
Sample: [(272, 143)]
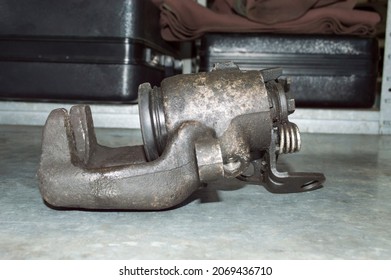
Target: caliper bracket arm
[(71, 176)]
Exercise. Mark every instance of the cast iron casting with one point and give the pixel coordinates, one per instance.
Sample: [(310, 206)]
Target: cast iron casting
[(196, 128)]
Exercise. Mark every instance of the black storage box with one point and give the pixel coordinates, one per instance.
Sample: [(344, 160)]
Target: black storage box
[(88, 50), (325, 70)]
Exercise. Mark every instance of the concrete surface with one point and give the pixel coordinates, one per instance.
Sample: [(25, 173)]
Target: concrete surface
[(350, 218)]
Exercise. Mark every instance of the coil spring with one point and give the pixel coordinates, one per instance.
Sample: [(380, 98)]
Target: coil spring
[(290, 141)]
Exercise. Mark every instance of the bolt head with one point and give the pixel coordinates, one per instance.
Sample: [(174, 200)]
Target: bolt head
[(291, 105)]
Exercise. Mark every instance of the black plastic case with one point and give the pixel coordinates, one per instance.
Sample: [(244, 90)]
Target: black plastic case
[(325, 70), (90, 50)]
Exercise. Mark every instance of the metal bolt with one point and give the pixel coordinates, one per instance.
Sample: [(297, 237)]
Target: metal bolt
[(232, 165), (291, 105), (287, 85)]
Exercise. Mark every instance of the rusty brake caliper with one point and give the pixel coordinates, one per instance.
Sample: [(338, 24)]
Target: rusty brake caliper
[(196, 128)]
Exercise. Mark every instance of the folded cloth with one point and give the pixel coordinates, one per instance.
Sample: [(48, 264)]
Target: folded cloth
[(273, 11), (187, 20)]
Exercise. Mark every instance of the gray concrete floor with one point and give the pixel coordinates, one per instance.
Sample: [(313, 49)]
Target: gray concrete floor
[(350, 218)]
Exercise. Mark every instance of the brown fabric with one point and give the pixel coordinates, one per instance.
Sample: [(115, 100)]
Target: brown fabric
[(274, 11), (186, 20)]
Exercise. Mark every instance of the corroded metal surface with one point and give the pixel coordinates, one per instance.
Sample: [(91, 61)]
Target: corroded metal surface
[(196, 128)]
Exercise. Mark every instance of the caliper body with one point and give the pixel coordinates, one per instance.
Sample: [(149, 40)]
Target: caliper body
[(196, 128)]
